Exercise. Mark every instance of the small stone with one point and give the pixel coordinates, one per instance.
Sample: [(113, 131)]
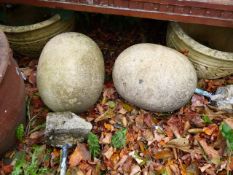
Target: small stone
[(65, 128), (224, 98)]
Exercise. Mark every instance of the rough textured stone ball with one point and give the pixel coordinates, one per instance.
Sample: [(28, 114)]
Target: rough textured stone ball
[(70, 73), (154, 77)]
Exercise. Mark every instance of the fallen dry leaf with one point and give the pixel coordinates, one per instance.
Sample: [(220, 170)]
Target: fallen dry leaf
[(127, 107), (197, 121), (107, 115), (121, 162), (210, 129), (124, 121), (27, 71), (89, 172), (212, 154), (80, 153), (115, 158), (212, 85), (176, 124), (122, 111), (185, 52), (7, 169), (105, 138), (157, 136), (32, 78), (84, 166), (230, 165), (148, 120), (179, 143), (139, 121), (79, 172), (109, 93), (37, 102), (100, 108), (148, 135), (198, 101), (108, 154), (164, 154), (174, 168), (205, 167), (109, 127), (137, 158), (55, 157), (37, 135), (135, 169)]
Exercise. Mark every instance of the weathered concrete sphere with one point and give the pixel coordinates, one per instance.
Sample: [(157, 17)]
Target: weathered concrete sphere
[(154, 77), (70, 73)]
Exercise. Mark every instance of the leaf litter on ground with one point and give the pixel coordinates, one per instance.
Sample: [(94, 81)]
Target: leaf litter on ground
[(197, 139)]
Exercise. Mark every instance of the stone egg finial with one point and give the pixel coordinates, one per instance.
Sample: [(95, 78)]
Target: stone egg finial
[(154, 77), (70, 73)]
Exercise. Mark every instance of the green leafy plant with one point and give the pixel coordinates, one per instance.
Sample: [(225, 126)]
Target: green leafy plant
[(227, 133), (119, 138), (93, 144), (19, 164), (206, 119), (20, 132), (165, 172), (111, 104), (32, 167)]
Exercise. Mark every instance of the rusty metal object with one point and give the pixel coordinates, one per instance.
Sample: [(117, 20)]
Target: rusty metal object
[(210, 12), (12, 96)]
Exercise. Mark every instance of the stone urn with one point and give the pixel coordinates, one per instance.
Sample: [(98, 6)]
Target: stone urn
[(12, 96), (209, 48), (28, 28)]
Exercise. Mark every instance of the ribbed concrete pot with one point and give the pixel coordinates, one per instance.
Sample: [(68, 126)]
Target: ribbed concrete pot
[(12, 96), (210, 49), (29, 39)]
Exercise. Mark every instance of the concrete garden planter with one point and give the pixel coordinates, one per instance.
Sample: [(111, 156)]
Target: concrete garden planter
[(12, 96), (29, 28), (209, 48)]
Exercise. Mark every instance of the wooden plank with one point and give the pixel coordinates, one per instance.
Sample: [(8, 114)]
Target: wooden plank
[(213, 4), (143, 8)]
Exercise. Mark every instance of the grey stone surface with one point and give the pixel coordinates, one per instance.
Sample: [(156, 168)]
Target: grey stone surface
[(154, 77), (70, 73), (224, 98), (65, 128)]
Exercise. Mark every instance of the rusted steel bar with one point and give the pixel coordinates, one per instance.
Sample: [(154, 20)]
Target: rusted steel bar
[(210, 12)]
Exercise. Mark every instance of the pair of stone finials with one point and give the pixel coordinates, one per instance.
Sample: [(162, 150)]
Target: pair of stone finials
[(70, 75)]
